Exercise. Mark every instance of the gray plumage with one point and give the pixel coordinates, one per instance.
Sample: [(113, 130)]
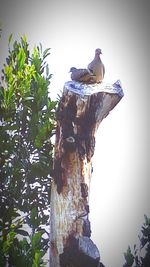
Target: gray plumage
[(82, 75), (97, 67)]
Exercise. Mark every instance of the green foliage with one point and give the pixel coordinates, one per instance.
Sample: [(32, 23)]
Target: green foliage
[(27, 123), (129, 258), (135, 258), (24, 253)]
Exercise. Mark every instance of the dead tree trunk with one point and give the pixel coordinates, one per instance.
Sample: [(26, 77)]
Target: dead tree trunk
[(78, 117)]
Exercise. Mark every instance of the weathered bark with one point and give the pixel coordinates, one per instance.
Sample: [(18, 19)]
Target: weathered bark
[(78, 118)]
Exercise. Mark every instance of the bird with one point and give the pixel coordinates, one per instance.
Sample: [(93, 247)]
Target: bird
[(82, 75), (96, 67)]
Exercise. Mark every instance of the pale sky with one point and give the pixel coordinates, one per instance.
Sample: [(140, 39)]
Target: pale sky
[(120, 186)]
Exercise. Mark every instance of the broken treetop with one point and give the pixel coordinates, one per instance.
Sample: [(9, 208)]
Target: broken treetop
[(89, 89)]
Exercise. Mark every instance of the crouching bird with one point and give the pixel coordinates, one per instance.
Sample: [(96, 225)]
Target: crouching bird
[(82, 75), (96, 67)]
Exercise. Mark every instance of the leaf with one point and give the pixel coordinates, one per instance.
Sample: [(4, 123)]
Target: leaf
[(143, 242), (29, 98), (22, 232), (129, 257), (10, 38), (146, 219), (41, 135), (34, 219), (37, 258), (36, 240), (24, 39), (35, 52), (47, 70), (46, 53), (41, 48), (21, 58)]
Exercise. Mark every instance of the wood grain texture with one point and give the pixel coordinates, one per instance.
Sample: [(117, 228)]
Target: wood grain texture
[(78, 119)]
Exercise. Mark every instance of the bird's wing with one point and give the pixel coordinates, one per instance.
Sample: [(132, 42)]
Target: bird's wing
[(82, 72), (77, 74), (103, 70), (90, 66), (83, 75)]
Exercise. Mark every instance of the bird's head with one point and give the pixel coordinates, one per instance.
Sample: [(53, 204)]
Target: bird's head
[(98, 51), (72, 69)]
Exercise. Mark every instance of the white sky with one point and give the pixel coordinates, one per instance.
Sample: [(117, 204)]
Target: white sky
[(120, 186)]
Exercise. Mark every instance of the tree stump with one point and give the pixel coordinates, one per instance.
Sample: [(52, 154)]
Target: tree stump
[(80, 111)]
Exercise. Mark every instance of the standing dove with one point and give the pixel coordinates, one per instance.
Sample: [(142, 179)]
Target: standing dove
[(82, 75), (96, 67)]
